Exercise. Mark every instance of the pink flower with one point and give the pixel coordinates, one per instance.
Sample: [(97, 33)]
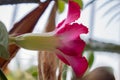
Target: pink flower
[(71, 45), (66, 40)]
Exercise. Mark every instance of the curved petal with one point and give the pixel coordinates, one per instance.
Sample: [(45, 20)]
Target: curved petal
[(70, 32), (79, 64), (73, 48), (60, 56), (60, 24), (72, 15), (73, 12)]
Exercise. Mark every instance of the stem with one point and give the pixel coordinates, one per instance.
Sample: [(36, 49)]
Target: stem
[(48, 61), (102, 46), (6, 2)]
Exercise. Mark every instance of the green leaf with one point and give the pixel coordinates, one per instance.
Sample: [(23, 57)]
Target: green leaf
[(90, 58), (64, 75), (80, 2), (61, 6), (3, 41), (2, 76), (66, 1), (33, 71)]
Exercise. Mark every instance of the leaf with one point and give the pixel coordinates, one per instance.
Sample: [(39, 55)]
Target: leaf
[(25, 25), (33, 71), (2, 76), (61, 6), (50, 25), (64, 75), (3, 41), (80, 2), (65, 1), (35, 74), (90, 58)]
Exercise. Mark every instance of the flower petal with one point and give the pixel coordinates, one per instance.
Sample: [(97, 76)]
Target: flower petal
[(79, 64), (73, 12), (60, 24), (70, 32), (72, 48), (60, 56), (72, 15)]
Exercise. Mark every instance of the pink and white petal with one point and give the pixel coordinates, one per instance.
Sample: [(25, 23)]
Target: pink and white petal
[(70, 32)]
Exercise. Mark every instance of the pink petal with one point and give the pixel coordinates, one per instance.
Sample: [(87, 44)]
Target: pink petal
[(60, 56), (73, 47), (60, 24), (71, 44), (73, 12), (72, 15), (79, 64), (69, 32)]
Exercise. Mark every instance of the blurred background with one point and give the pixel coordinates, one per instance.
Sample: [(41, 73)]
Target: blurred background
[(102, 17)]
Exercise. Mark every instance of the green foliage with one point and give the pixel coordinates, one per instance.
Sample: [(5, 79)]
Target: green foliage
[(61, 6), (30, 74), (65, 1), (3, 41), (2, 76), (80, 2), (90, 58), (64, 75), (33, 72)]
